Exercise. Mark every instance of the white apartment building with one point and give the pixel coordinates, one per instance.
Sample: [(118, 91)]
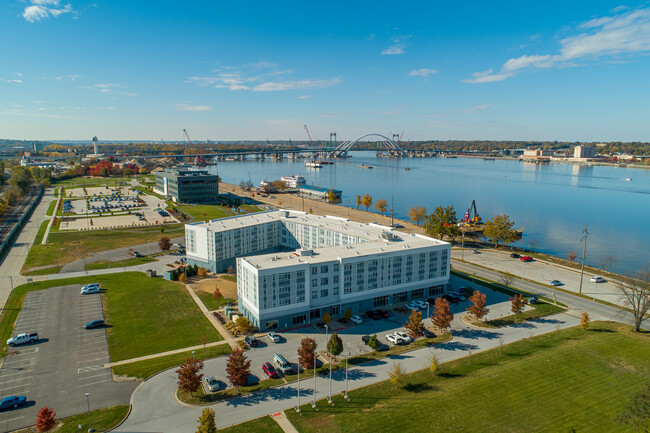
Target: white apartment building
[(292, 267)]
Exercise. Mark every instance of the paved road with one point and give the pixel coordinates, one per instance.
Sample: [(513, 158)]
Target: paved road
[(66, 363)]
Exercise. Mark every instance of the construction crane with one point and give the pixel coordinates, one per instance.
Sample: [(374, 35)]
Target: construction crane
[(309, 135), (187, 136), (163, 142), (472, 218)]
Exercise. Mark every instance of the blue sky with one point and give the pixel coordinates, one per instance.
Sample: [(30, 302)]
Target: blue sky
[(552, 70)]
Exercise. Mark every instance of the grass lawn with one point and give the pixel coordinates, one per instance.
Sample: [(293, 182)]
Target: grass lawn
[(151, 315), (79, 182), (47, 271), (205, 212), (232, 278), (210, 302), (50, 209), (250, 208), (103, 420), (65, 247), (41, 232), (103, 264), (147, 368), (540, 309), (550, 383), (266, 424)]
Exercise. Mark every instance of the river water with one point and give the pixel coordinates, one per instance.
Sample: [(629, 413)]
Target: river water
[(551, 202)]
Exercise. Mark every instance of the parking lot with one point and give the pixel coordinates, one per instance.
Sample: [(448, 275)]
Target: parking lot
[(64, 364)]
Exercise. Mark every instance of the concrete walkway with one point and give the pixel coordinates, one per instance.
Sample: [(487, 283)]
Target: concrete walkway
[(284, 422), (49, 226)]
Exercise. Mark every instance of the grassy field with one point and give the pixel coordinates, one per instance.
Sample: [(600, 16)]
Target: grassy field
[(210, 302), (205, 212), (571, 379), (103, 420), (147, 368), (78, 182), (41, 232), (104, 264), (266, 424), (50, 209), (151, 315), (540, 309), (46, 271), (65, 247)]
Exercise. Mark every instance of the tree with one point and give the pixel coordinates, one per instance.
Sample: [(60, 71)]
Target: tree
[(373, 342), (414, 325), (165, 243), (21, 178), (637, 410), (442, 316), (189, 378), (441, 222), (243, 324), (202, 272), (335, 345), (584, 320), (217, 293), (2, 172), (238, 368), (230, 270), (499, 230), (605, 263), (397, 374), (533, 244), (366, 201), (347, 314), (46, 419), (417, 214), (207, 423), (306, 352), (433, 364), (359, 201), (478, 308), (635, 292), (280, 185), (380, 205), (572, 256), (517, 304), (327, 318), (182, 277), (505, 278), (331, 197)]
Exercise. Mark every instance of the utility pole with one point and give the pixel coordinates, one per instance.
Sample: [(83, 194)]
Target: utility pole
[(584, 252), (391, 210)]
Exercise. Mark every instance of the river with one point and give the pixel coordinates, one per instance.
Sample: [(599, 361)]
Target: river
[(551, 202)]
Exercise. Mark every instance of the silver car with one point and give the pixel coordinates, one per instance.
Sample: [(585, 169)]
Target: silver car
[(211, 383)]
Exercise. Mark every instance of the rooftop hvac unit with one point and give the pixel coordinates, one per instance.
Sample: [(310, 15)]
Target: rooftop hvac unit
[(306, 253)]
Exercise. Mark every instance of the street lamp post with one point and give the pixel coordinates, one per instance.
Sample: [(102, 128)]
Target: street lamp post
[(90, 426), (298, 407), (313, 404), (11, 281), (346, 378), (330, 399), (473, 277)]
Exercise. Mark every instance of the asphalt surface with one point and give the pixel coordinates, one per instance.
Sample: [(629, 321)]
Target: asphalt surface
[(64, 364)]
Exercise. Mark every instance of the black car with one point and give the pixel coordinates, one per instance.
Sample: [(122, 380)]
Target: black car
[(365, 339), (449, 298), (428, 334), (370, 314), (514, 256), (94, 324), (383, 313), (250, 341), (431, 301)]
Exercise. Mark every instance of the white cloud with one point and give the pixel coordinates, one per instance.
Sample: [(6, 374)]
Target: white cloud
[(423, 72), (304, 97), (259, 77), (42, 9), (186, 107), (102, 87), (393, 50), (10, 80), (625, 33)]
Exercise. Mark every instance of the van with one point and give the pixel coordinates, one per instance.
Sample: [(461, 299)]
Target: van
[(282, 364)]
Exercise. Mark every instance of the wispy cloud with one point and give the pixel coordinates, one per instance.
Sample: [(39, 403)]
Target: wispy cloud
[(260, 77), (624, 33), (460, 111), (423, 72), (10, 80), (186, 107), (102, 87), (43, 9), (69, 77), (397, 48), (304, 97)]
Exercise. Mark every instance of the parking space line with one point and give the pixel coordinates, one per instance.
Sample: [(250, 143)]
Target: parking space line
[(94, 383), (93, 359), (94, 375), (12, 380), (90, 368), (16, 386), (12, 419)]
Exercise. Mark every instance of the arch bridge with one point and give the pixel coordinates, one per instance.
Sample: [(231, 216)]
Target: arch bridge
[(342, 149)]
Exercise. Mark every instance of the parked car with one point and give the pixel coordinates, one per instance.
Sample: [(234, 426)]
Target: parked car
[(431, 301), (533, 299), (250, 341), (404, 336), (273, 336), (555, 283), (450, 298), (395, 339), (475, 251), (383, 313), (421, 304), (365, 339), (413, 306), (370, 314), (90, 289), (24, 338), (397, 226), (428, 334), (211, 383), (137, 254), (596, 279), (282, 364), (269, 370), (514, 255), (356, 319), (526, 259), (12, 401), (94, 324)]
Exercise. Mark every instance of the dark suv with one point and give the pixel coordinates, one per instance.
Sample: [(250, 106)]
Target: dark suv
[(250, 341)]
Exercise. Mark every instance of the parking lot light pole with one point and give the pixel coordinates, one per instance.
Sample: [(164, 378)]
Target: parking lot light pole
[(330, 399), (313, 404), (90, 426), (346, 378), (298, 408)]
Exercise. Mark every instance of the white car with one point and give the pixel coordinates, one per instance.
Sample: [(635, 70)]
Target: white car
[(90, 289), (356, 319), (395, 339), (273, 336), (413, 306), (211, 383), (421, 304), (404, 336), (596, 279)]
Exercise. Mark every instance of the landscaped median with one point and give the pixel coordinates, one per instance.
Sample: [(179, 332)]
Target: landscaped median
[(200, 398), (105, 264), (102, 419)]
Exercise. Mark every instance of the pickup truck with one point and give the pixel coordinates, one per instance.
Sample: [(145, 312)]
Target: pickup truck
[(23, 338)]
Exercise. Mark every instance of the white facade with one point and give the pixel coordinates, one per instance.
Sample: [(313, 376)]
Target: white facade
[(326, 264)]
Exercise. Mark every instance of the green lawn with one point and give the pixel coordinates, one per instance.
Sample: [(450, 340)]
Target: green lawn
[(50, 209), (46, 271), (250, 208), (147, 368), (41, 232), (102, 419), (210, 302), (65, 247), (79, 182), (266, 424), (104, 264), (540, 309), (151, 315), (204, 212), (550, 383)]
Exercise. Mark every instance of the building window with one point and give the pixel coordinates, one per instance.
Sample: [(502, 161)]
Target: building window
[(273, 324), (336, 290), (314, 282), (381, 301), (324, 281), (298, 320), (336, 267), (314, 294), (300, 298), (323, 269), (419, 293), (400, 297), (336, 279), (314, 270), (323, 293)]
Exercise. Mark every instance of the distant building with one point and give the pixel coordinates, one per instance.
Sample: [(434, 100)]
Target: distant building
[(584, 152), (292, 267), (187, 186), (537, 154)]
